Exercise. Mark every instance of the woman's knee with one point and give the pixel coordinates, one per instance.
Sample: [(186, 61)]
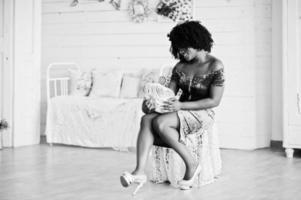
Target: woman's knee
[(160, 125), (146, 120)]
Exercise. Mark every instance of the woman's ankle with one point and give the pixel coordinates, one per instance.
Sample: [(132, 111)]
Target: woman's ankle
[(138, 172), (190, 170)]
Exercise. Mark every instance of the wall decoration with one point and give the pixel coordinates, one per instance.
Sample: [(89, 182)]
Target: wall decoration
[(139, 10), (74, 3), (115, 3), (177, 10)]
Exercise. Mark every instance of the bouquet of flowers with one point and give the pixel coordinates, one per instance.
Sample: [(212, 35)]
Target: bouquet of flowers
[(3, 124), (157, 94)]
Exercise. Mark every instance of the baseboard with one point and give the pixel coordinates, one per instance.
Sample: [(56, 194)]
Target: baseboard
[(276, 144), (43, 140)]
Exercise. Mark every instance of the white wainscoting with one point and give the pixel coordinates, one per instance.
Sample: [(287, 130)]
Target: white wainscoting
[(95, 35)]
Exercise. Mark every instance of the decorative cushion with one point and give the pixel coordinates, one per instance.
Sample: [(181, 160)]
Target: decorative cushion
[(106, 84), (80, 82), (130, 86)]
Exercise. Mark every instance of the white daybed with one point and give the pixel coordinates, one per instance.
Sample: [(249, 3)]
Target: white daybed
[(88, 121)]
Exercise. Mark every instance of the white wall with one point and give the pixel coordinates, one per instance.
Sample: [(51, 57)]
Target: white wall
[(263, 71), (26, 71), (242, 30), (94, 34), (6, 68), (1, 55), (277, 114)]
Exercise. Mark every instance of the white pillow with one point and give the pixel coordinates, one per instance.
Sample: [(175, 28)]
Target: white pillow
[(130, 86), (106, 84), (80, 82)]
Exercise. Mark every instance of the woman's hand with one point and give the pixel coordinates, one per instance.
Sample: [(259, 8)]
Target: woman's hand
[(147, 106), (172, 105)]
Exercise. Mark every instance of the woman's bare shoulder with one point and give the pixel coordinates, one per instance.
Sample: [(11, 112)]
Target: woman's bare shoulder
[(216, 64), (178, 66)]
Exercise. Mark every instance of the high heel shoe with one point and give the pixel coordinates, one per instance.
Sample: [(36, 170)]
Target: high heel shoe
[(187, 184), (127, 179)]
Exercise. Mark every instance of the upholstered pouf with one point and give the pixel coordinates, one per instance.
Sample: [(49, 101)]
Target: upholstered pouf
[(168, 166)]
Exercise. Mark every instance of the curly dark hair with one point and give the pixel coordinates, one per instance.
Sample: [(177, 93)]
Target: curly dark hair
[(189, 34)]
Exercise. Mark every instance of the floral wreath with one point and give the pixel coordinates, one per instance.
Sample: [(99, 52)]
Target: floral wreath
[(177, 10), (139, 10)]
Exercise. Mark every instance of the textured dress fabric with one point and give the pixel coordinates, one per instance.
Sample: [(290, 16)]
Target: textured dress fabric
[(197, 132)]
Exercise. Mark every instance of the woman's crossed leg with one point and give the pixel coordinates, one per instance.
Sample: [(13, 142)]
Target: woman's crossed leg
[(167, 126), (162, 130), (144, 142)]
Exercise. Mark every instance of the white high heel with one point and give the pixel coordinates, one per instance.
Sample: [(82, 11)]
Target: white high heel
[(187, 184), (127, 179)]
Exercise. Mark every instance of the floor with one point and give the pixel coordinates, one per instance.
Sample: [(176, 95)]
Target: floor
[(64, 172)]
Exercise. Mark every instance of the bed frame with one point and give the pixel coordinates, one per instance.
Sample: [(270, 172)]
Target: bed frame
[(58, 79)]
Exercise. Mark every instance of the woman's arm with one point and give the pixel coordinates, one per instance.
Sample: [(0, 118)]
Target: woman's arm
[(173, 86), (174, 79)]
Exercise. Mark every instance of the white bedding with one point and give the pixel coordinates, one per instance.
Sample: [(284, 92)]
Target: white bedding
[(93, 121)]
